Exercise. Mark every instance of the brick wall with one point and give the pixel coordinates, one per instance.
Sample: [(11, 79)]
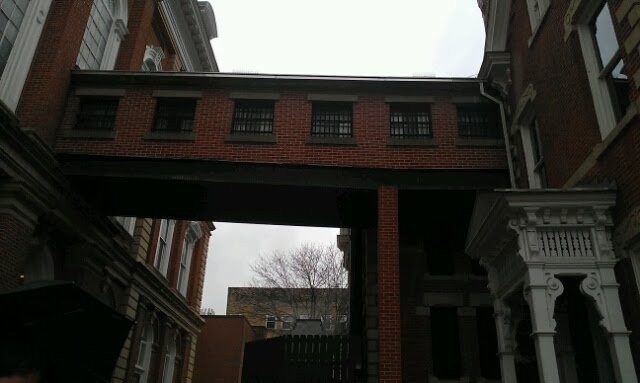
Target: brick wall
[(390, 365), (140, 32), (198, 266), (46, 88), (292, 125), (563, 104), (14, 240)]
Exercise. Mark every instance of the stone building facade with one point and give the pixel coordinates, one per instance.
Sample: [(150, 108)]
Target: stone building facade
[(149, 269)]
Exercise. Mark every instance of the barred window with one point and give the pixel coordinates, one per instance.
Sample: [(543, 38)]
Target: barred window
[(11, 16), (94, 41), (253, 117), (331, 119), (408, 120), (175, 115), (478, 120), (97, 114)]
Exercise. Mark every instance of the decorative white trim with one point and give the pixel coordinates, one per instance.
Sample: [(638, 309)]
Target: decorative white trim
[(536, 18), (164, 264), (498, 26), (21, 56), (155, 55)]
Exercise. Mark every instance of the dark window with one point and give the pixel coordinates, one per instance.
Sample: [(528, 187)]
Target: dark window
[(536, 149), (332, 119), (97, 114), (440, 261), (253, 117), (410, 120), (610, 57), (478, 120), (175, 115), (445, 340), (487, 343)]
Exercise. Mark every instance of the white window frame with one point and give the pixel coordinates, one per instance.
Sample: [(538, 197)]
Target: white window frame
[(528, 122), (192, 235), (270, 319), (142, 366), (19, 61), (128, 223), (116, 34), (537, 9), (169, 358), (162, 263), (600, 92)]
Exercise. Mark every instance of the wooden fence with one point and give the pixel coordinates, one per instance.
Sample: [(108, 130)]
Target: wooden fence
[(301, 358)]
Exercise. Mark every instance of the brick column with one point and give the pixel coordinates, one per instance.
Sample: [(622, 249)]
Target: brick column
[(140, 27), (390, 364)]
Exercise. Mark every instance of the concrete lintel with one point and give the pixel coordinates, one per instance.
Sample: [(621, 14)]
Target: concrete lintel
[(444, 299), (468, 100), (177, 93), (332, 97), (424, 99), (254, 95), (104, 92)]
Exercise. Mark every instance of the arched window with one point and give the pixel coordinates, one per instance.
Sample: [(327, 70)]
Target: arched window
[(144, 352), (12, 13), (169, 357), (104, 32), (191, 238), (21, 23), (163, 249)]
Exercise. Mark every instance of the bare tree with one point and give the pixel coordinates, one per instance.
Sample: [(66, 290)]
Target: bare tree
[(307, 281)]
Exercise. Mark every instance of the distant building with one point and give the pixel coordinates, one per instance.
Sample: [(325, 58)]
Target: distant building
[(277, 311)]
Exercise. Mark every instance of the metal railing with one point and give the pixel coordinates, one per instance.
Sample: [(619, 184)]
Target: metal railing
[(301, 358)]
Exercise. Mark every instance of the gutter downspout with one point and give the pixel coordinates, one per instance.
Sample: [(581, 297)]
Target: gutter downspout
[(505, 133)]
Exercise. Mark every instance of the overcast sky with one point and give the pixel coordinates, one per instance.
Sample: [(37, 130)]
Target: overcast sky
[(443, 38)]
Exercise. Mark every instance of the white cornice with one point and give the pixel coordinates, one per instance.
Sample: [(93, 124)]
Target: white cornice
[(498, 26)]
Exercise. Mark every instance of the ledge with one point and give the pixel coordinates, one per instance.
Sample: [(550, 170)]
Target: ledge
[(251, 138), (170, 136), (426, 142), (478, 141), (254, 95), (315, 140), (84, 133)]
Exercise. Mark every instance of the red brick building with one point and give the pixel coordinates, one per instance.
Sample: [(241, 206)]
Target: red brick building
[(493, 221), (220, 348), (149, 269)]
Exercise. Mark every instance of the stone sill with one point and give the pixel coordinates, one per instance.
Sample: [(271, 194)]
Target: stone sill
[(478, 141), (250, 138), (83, 133), (348, 141), (170, 136), (424, 142)]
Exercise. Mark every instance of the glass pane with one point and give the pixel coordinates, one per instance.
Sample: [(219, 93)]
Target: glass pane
[(618, 71), (605, 36)]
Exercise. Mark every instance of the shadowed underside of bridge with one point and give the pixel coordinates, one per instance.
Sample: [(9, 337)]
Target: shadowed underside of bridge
[(258, 193)]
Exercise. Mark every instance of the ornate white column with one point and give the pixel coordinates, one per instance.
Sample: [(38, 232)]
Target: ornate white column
[(504, 328), (540, 291), (603, 290), (532, 238)]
